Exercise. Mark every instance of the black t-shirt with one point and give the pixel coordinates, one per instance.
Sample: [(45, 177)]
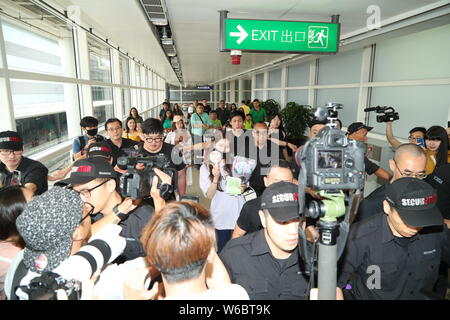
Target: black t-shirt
[(132, 230), (372, 204), (175, 157), (207, 108), (31, 171), (440, 180), (223, 115), (370, 167), (249, 218), (118, 152)]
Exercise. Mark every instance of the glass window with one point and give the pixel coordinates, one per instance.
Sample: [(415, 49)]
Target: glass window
[(397, 58), (275, 79), (298, 75), (424, 106), (259, 80), (298, 96), (346, 96), (31, 51), (41, 132), (342, 68), (275, 95), (99, 61), (125, 80), (102, 100)]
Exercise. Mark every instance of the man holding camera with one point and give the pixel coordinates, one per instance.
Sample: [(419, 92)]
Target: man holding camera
[(15, 169), (89, 125), (154, 145), (358, 131), (118, 144), (396, 255)]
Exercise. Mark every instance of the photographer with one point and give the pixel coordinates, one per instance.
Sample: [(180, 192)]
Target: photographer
[(415, 135), (117, 143), (396, 255), (15, 169), (97, 183), (153, 134), (89, 125), (358, 131)]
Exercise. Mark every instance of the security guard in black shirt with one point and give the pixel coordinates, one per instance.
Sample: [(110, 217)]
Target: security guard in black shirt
[(15, 169), (396, 255), (266, 262)]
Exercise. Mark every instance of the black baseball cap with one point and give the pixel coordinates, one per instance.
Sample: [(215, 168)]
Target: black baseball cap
[(281, 200), (86, 170), (355, 126), (415, 201), (99, 149), (11, 140)]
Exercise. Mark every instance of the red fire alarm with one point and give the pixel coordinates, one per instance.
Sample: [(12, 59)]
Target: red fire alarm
[(236, 56)]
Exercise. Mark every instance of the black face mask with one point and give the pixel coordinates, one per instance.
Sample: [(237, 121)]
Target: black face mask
[(92, 132)]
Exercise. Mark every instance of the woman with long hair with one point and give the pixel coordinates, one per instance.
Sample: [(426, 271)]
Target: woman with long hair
[(277, 134), (167, 124), (12, 203), (177, 110), (215, 185), (436, 141), (131, 131), (135, 114)]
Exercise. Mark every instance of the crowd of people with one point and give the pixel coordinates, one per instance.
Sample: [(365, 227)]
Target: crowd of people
[(245, 245)]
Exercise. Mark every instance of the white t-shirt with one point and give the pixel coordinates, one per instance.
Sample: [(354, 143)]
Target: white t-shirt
[(225, 208), (228, 292)]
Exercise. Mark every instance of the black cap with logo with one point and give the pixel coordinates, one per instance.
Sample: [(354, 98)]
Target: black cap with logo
[(86, 170), (281, 200), (415, 202), (99, 149), (11, 140), (355, 126)]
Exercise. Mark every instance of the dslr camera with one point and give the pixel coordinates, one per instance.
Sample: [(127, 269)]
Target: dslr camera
[(138, 183), (388, 115), (332, 161)]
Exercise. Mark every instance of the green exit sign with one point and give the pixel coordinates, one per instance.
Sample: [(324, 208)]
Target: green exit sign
[(280, 36)]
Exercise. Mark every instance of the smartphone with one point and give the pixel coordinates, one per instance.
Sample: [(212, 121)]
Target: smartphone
[(421, 142)]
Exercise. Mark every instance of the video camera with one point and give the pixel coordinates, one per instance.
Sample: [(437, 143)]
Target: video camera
[(330, 164), (103, 248), (137, 183), (388, 116)]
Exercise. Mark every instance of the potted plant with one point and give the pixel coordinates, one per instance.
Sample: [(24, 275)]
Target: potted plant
[(271, 106), (295, 119)]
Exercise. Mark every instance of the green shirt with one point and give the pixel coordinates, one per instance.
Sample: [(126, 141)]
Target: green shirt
[(248, 125), (195, 119), (217, 124), (258, 116), (167, 124)]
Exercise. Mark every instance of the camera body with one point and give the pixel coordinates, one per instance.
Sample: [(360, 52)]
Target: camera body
[(45, 287), (388, 115), (333, 161), (99, 138), (137, 183)]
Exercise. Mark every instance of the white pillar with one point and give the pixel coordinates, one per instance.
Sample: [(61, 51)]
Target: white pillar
[(265, 95), (241, 91), (253, 87), (119, 113), (283, 93), (7, 121), (232, 91), (312, 82), (81, 40), (365, 77)]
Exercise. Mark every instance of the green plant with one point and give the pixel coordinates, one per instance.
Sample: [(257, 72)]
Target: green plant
[(295, 119), (271, 106)]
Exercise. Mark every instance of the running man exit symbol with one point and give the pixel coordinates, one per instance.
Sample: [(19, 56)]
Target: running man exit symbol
[(318, 37)]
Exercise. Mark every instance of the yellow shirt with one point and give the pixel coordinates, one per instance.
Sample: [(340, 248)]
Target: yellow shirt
[(246, 109), (431, 160), (134, 136)]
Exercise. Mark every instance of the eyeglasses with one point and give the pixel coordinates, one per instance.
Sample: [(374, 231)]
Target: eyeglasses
[(410, 174), (87, 193), (148, 139), (115, 129), (8, 152), (414, 138)]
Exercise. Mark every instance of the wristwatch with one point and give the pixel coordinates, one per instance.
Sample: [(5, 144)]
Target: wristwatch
[(120, 215)]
